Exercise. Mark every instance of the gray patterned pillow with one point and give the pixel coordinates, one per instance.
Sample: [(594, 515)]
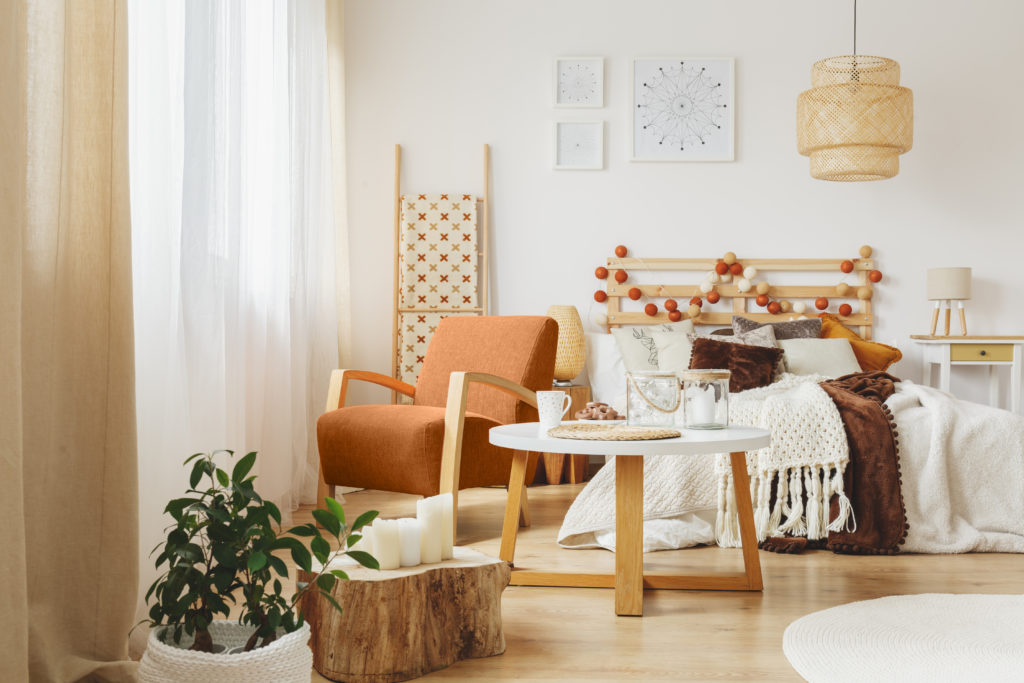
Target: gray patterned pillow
[(790, 329)]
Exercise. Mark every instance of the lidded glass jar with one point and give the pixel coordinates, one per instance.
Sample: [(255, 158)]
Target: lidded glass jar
[(705, 399), (652, 398)]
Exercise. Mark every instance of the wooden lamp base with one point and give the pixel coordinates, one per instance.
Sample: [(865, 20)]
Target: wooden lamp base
[(947, 305)]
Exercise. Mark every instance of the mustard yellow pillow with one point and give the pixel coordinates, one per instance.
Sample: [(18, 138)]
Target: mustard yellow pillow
[(870, 355)]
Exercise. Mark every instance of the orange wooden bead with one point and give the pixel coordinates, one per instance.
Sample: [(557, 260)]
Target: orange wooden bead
[(675, 316), (736, 269), (651, 309), (762, 300), (635, 293), (696, 301), (774, 308), (875, 276), (721, 267), (601, 272), (600, 296), (671, 304), (713, 297), (846, 266), (845, 309), (621, 251), (821, 303), (620, 276)]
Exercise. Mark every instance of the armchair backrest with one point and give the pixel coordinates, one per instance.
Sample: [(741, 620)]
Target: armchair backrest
[(518, 348)]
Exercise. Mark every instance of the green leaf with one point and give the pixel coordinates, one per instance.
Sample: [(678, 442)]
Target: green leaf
[(325, 581), (197, 473), (222, 477), (364, 558), (364, 519), (321, 548), (193, 457), (334, 507), (302, 557), (330, 598), (277, 586), (243, 466), (278, 565), (257, 561), (273, 511), (352, 540), (304, 530), (327, 521), (341, 576)]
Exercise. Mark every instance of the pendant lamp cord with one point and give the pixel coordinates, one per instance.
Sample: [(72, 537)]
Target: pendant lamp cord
[(854, 27)]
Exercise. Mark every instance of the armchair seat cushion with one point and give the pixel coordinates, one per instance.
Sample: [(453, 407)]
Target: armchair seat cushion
[(398, 448)]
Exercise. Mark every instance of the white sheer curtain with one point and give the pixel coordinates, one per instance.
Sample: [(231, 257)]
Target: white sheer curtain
[(233, 240)]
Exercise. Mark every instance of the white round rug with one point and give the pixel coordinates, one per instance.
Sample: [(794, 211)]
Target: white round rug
[(928, 637)]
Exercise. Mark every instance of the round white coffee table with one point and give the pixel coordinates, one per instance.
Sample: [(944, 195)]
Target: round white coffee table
[(629, 580)]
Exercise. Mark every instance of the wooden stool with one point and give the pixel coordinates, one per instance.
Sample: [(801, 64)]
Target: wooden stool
[(404, 623)]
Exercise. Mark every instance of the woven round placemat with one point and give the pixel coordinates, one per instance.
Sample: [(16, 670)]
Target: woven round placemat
[(611, 432)]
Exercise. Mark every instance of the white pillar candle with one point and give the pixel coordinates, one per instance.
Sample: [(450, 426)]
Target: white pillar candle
[(409, 538), (366, 542), (447, 526), (702, 404), (386, 544), (428, 512)]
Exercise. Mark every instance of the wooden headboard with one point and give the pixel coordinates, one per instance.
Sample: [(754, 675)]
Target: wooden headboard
[(734, 302)]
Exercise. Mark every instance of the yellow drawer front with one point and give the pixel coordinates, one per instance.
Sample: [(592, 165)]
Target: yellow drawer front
[(982, 352)]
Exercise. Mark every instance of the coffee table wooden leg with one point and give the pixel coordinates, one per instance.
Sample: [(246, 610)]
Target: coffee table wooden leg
[(578, 468), (553, 465), (513, 506), (629, 535), (745, 510)]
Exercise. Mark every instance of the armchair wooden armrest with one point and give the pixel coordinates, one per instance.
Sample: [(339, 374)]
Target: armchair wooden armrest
[(336, 393), (339, 385), (454, 422)]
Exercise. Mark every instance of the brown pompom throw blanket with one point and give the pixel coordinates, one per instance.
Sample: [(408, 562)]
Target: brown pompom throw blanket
[(872, 477)]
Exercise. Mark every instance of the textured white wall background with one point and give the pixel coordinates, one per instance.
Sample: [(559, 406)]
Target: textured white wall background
[(442, 77)]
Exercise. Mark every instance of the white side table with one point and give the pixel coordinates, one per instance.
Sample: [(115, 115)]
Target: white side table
[(990, 351), (629, 579)]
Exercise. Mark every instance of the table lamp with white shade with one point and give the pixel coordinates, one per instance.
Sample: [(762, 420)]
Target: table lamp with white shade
[(946, 285)]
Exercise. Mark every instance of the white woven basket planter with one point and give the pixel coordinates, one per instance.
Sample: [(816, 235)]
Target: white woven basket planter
[(287, 660)]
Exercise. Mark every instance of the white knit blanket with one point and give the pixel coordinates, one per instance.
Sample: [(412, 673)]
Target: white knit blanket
[(962, 466), (809, 450)]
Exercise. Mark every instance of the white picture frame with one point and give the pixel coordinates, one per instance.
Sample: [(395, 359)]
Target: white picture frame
[(684, 109), (579, 145), (579, 82)]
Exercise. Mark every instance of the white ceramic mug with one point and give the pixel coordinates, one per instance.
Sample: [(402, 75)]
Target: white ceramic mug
[(551, 406)]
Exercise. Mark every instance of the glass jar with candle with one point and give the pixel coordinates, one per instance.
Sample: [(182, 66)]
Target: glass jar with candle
[(652, 398), (705, 399)]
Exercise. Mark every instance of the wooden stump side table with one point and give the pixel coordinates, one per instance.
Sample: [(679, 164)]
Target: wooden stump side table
[(629, 579), (403, 623), (570, 467)]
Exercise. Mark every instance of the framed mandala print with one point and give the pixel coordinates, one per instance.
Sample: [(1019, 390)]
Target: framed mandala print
[(579, 145), (683, 109), (579, 82)]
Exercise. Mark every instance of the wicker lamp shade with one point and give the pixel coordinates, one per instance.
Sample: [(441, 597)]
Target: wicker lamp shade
[(571, 352), (856, 119)]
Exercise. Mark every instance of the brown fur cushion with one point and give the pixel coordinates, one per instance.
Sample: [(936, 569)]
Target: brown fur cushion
[(751, 366)]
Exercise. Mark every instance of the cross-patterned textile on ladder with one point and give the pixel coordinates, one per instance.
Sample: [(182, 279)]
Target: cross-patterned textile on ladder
[(438, 271)]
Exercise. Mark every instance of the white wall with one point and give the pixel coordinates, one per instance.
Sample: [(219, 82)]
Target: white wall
[(441, 77)]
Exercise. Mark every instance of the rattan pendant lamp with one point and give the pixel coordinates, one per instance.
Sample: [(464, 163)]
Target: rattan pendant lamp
[(856, 120)]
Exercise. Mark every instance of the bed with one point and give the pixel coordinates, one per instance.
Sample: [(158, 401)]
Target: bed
[(861, 462)]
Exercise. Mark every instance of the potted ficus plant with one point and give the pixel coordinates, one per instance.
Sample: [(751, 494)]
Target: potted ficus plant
[(223, 549)]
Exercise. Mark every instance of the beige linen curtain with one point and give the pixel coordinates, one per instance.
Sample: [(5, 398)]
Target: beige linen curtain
[(68, 531)]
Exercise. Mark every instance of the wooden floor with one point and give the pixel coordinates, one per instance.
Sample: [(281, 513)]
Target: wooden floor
[(572, 634)]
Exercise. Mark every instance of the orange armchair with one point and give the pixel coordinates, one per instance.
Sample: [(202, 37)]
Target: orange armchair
[(479, 372)]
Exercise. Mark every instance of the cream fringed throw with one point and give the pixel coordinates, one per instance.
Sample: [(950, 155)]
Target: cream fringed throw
[(805, 461)]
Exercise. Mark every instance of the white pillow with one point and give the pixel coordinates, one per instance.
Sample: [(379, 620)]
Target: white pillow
[(638, 348), (606, 370), (829, 357)]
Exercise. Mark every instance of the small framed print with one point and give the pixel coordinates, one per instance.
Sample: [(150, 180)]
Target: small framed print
[(579, 82), (579, 145), (683, 109)]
